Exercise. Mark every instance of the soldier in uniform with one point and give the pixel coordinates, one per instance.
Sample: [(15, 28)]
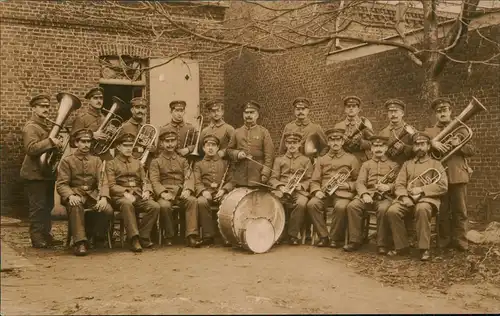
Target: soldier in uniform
[(374, 187), (217, 126), (356, 141), (302, 124), (131, 192), (402, 149), (93, 118), (453, 213), (251, 141), (421, 199), (173, 184), (182, 128), (39, 187), (82, 184), (212, 181), (284, 168), (325, 168)]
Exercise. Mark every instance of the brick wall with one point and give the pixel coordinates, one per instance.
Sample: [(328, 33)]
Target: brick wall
[(44, 51), (277, 80)]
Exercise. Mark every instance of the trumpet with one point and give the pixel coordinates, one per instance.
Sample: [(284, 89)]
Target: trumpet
[(397, 145), (337, 180), (111, 127), (145, 137), (457, 130), (355, 136), (429, 176), (295, 179)]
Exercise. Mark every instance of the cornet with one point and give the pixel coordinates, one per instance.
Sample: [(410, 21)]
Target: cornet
[(295, 179), (429, 176), (387, 178)]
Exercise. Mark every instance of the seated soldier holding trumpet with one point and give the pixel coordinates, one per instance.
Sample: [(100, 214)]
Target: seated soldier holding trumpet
[(419, 186), (290, 180), (332, 181), (212, 181), (375, 185)]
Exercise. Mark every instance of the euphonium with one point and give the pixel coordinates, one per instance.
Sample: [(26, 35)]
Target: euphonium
[(457, 129), (145, 137), (429, 176), (336, 181), (49, 160), (397, 145), (111, 126)]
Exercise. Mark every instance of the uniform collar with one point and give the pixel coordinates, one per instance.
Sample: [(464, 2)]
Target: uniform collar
[(396, 126), (122, 158), (422, 160), (94, 112), (352, 122), (169, 156), (213, 124), (441, 125), (213, 158), (78, 154), (336, 155), (39, 120), (383, 159), (246, 126), (177, 124), (304, 122), (289, 155), (134, 121)]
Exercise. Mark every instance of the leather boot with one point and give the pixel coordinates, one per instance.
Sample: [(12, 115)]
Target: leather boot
[(80, 249), (351, 247), (193, 242), (135, 245), (323, 242), (146, 243), (207, 241)]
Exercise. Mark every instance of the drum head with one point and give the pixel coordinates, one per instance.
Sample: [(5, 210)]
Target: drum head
[(259, 235)]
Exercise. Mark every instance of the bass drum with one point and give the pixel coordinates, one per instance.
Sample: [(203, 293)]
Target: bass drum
[(244, 204)]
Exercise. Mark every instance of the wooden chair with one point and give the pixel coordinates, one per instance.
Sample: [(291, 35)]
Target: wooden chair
[(435, 233), (69, 234), (118, 219)]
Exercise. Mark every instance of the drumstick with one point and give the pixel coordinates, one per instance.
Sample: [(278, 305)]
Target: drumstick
[(260, 164), (262, 184)]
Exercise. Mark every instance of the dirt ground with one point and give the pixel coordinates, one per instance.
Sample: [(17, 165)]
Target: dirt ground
[(180, 280)]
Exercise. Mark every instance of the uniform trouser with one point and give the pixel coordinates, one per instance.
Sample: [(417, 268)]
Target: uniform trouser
[(316, 209), (128, 211), (189, 206), (296, 208), (355, 211), (453, 214), (205, 216), (84, 224), (423, 213), (41, 201)]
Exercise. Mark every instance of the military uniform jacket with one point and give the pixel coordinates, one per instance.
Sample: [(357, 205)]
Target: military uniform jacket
[(361, 151), (80, 174), (126, 174), (306, 128), (92, 120), (393, 132), (170, 173), (372, 171), (412, 169), (328, 165), (458, 169), (285, 166), (257, 142), (131, 126), (208, 174), (222, 131), (182, 129), (36, 142)]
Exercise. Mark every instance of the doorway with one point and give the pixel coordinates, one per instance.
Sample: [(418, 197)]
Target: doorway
[(124, 92)]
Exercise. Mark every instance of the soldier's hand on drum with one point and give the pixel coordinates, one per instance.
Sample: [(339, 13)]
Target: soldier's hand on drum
[(367, 198), (207, 195), (282, 188), (320, 195), (219, 195), (440, 146), (167, 196), (101, 204), (146, 195), (100, 135), (242, 155), (382, 187), (75, 200), (183, 151), (185, 194), (129, 196)]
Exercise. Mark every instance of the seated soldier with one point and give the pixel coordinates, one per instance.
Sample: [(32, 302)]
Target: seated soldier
[(131, 192), (374, 185), (212, 179), (173, 184), (290, 178), (415, 196), (82, 184)]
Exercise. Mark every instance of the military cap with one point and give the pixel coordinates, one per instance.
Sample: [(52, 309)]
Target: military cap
[(296, 136), (395, 104), (379, 139), (82, 133), (125, 138), (41, 99), (213, 104), (94, 91), (335, 132), (440, 103), (167, 133), (139, 101), (303, 102), (352, 100), (252, 105), (177, 103), (212, 138), (419, 137)]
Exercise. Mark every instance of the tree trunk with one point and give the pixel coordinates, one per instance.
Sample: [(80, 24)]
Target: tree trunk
[(430, 87)]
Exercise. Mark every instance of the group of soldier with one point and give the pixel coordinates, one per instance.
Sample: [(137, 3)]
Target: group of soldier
[(245, 157)]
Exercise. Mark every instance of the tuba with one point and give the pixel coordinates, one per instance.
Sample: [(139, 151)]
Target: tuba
[(145, 137), (111, 126), (457, 129), (397, 145), (49, 160), (429, 176), (338, 179)]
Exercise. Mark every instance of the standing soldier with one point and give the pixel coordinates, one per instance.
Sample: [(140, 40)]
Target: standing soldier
[(93, 118), (130, 192), (333, 164), (173, 184), (375, 185), (290, 178), (212, 181), (303, 125), (39, 187), (82, 184), (453, 213), (181, 128), (217, 126), (413, 195), (358, 129), (398, 132), (252, 150)]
